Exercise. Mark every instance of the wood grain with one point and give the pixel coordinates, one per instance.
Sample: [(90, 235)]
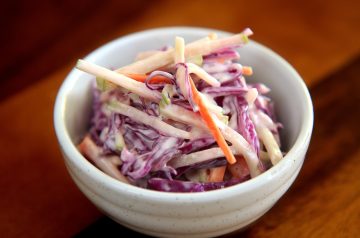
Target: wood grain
[(38, 197), (315, 36), (41, 38)]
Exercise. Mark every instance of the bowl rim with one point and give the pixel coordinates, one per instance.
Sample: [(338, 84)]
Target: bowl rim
[(83, 164)]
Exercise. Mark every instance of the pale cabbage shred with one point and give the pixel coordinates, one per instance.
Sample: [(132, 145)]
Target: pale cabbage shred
[(157, 136)]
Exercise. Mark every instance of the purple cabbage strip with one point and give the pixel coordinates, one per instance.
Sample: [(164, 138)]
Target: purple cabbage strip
[(138, 105), (201, 85), (128, 158), (152, 109), (114, 123), (225, 73), (165, 149), (225, 54), (187, 85), (195, 145), (203, 165), (134, 142), (140, 136), (239, 109), (265, 105), (100, 118), (182, 103), (245, 125), (167, 185), (225, 91), (158, 85), (261, 88)]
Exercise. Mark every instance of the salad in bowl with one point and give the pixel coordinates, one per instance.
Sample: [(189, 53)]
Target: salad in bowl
[(182, 118), (185, 137)]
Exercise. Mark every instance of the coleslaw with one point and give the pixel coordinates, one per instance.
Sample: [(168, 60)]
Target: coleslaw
[(182, 119)]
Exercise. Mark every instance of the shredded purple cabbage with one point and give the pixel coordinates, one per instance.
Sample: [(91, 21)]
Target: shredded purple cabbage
[(189, 96), (225, 91), (145, 151), (196, 145), (226, 54), (225, 72), (203, 165), (138, 166), (159, 85)]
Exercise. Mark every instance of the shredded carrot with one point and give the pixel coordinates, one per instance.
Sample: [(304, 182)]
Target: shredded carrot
[(240, 168), (247, 70), (205, 114), (221, 60), (217, 174), (142, 78)]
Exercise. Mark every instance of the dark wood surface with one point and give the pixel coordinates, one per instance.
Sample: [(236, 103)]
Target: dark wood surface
[(315, 36), (40, 43), (40, 38)]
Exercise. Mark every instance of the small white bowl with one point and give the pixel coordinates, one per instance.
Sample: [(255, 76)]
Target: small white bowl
[(203, 214)]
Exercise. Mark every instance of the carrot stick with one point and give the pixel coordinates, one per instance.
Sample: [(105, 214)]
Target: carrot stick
[(142, 78), (205, 114), (239, 169), (247, 70), (217, 174), (91, 151)]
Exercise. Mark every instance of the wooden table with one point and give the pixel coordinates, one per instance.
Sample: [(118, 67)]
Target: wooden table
[(38, 198)]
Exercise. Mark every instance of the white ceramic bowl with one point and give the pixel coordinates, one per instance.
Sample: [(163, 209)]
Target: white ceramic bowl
[(204, 214)]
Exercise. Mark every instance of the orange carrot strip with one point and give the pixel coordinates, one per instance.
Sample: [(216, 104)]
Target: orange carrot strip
[(247, 70), (240, 168), (142, 78), (217, 174), (205, 114)]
